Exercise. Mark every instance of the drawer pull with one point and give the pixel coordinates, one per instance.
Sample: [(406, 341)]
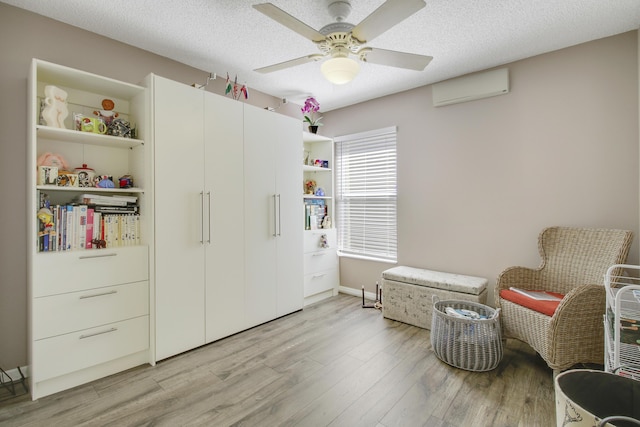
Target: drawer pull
[(319, 254), (98, 295), (98, 333), (318, 276), (97, 256)]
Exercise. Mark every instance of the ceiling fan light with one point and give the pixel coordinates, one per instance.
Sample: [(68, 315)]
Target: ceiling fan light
[(340, 70)]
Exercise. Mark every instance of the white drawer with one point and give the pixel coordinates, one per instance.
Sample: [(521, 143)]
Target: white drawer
[(320, 282), (321, 260), (64, 313), (59, 272), (312, 239), (60, 355)]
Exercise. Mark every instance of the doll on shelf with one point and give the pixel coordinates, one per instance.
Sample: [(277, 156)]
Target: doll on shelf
[(310, 186), (107, 114)]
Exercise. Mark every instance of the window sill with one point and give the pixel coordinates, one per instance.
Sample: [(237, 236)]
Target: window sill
[(366, 258)]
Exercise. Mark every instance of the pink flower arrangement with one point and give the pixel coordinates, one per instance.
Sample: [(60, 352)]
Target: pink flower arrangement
[(310, 108)]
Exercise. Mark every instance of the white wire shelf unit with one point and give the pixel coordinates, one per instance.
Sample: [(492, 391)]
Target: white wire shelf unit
[(622, 320)]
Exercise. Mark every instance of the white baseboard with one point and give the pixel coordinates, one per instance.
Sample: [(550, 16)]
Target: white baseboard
[(357, 293)]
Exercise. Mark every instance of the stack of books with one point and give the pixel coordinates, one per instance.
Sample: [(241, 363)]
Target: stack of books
[(91, 222), (119, 204), (314, 212)]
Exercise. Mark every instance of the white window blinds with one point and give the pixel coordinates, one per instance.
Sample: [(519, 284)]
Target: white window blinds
[(366, 194)]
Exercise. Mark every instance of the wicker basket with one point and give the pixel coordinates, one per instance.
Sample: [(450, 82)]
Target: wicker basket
[(474, 345)]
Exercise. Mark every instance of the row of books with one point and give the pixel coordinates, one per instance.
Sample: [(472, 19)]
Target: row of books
[(107, 200), (79, 227), (314, 212)]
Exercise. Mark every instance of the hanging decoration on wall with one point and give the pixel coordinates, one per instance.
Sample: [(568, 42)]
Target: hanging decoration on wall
[(235, 89)]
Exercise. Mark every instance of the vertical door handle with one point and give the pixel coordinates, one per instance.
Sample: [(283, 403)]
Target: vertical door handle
[(279, 218), (275, 215), (202, 217), (210, 226)]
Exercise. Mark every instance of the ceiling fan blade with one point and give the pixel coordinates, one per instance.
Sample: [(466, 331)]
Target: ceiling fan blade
[(290, 63), (289, 21), (390, 13), (393, 58)]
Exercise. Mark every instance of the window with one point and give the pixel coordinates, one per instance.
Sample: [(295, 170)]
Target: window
[(366, 194)]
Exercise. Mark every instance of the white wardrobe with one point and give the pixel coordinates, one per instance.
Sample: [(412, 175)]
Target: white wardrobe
[(228, 231)]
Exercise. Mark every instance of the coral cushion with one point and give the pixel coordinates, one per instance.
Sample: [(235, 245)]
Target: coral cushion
[(544, 307)]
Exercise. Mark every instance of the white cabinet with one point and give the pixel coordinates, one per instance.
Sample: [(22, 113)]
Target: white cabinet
[(273, 225), (228, 233), (88, 308), (199, 213), (321, 271)]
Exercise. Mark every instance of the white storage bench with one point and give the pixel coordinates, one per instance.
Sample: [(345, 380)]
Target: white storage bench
[(408, 293)]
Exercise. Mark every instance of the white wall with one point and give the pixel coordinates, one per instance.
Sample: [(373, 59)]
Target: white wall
[(478, 181)]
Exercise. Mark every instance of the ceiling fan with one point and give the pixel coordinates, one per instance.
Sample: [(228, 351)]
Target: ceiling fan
[(340, 40)]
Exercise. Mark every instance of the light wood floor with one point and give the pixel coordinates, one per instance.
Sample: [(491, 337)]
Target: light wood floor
[(332, 364)]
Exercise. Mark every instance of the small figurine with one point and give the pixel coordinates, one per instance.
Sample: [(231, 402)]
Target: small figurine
[(324, 243), (106, 183), (46, 217), (320, 192), (125, 181), (55, 110), (107, 114), (51, 159), (310, 186), (326, 222)]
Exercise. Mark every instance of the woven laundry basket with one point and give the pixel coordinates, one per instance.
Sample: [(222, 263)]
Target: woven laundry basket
[(471, 344)]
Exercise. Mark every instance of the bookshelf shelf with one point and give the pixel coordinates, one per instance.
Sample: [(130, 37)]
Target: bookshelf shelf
[(307, 168), (86, 138), (90, 189), (311, 196)]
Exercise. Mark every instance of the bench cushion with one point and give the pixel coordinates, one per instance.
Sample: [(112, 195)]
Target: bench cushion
[(436, 279)]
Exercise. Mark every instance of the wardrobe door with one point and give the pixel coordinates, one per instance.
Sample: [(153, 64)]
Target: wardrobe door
[(224, 191), (290, 272), (179, 211), (260, 157)]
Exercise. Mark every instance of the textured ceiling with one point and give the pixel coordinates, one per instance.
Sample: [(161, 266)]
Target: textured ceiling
[(463, 36)]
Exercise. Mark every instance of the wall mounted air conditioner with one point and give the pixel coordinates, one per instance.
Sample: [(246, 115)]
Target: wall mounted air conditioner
[(468, 88)]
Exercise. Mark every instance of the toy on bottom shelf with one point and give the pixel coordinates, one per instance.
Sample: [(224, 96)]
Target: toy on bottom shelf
[(46, 233)]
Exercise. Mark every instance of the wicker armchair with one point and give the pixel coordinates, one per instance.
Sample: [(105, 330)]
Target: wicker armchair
[(574, 261)]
